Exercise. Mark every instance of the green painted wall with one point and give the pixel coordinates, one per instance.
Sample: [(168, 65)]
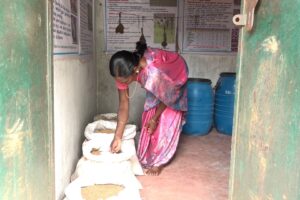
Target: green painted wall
[(26, 159), (265, 162)]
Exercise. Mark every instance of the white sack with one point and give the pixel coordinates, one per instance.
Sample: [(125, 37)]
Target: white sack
[(73, 192), (90, 130), (103, 141), (107, 117), (91, 172), (128, 152)]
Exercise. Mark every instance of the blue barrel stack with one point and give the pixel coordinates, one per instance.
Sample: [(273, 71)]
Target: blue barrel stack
[(224, 103), (199, 117)]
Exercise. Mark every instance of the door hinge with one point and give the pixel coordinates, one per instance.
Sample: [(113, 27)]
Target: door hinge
[(247, 19)]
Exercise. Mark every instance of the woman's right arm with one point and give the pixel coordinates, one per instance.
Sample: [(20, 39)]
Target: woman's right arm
[(123, 114)]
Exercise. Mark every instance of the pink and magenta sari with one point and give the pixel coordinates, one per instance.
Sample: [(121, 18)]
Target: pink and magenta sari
[(164, 79)]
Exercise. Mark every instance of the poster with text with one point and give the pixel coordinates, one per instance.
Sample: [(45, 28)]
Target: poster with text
[(129, 21), (208, 26), (86, 27), (65, 27)]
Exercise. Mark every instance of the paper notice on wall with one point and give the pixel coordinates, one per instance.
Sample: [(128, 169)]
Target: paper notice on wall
[(65, 37), (86, 27), (128, 21), (207, 25)]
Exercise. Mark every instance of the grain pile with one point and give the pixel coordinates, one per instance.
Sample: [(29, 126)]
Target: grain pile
[(95, 151), (107, 117), (107, 131), (103, 191)]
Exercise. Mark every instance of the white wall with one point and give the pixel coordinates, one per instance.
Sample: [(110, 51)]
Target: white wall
[(200, 66), (74, 107), (209, 66)]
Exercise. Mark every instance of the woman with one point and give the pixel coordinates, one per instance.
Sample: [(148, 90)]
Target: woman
[(163, 75)]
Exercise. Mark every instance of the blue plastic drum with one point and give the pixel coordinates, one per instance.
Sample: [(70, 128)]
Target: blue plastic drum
[(224, 103), (199, 116)]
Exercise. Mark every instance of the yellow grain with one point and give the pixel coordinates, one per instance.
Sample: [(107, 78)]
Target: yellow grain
[(95, 151), (107, 131), (103, 191)]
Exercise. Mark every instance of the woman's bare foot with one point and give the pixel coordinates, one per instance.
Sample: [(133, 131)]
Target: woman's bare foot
[(145, 170), (154, 171)]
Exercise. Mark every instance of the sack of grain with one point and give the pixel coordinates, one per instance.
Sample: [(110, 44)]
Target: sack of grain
[(99, 166), (97, 132), (90, 172), (93, 172), (105, 130), (74, 192), (107, 117), (103, 147), (99, 150)]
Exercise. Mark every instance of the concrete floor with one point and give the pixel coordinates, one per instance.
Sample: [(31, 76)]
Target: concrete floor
[(199, 171)]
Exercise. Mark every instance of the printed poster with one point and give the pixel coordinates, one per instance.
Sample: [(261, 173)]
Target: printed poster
[(86, 27), (208, 26), (65, 27), (129, 21)]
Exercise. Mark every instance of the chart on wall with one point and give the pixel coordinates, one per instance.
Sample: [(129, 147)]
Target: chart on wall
[(208, 27), (86, 27), (65, 37), (72, 27), (132, 20)]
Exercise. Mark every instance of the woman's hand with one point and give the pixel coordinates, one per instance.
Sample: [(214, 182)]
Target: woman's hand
[(151, 126), (115, 145)]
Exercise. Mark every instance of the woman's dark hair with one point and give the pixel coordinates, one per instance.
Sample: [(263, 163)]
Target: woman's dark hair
[(122, 62)]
